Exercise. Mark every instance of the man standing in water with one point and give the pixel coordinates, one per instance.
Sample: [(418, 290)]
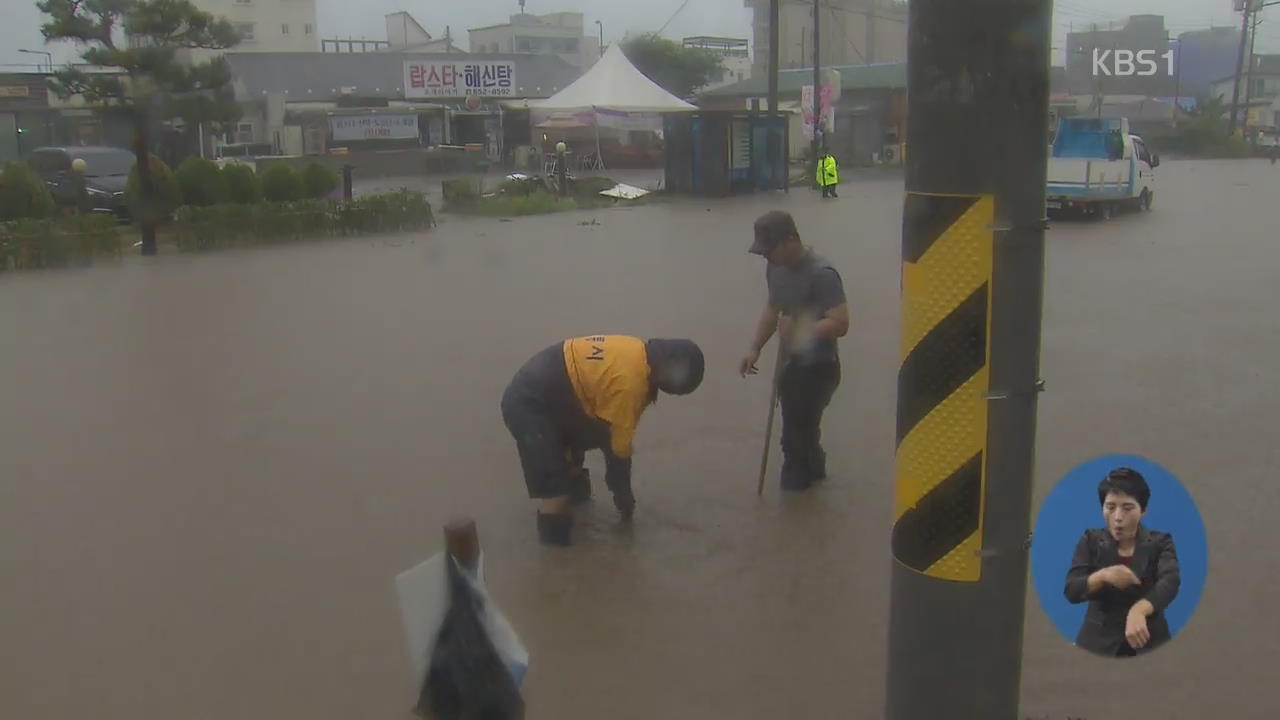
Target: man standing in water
[(1127, 573), (584, 394), (807, 308)]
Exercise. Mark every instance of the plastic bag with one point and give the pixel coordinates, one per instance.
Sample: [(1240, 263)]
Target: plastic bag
[(466, 656)]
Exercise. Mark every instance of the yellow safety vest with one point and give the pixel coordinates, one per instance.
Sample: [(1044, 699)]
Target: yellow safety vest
[(610, 376), (827, 173)]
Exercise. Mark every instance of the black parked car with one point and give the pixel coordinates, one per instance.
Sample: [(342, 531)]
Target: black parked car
[(106, 173)]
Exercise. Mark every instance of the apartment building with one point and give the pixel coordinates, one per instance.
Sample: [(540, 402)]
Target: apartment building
[(265, 25), (562, 34), (852, 32), (735, 57)]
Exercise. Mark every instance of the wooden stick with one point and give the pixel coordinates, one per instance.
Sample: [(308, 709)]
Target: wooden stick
[(773, 404), (462, 542)]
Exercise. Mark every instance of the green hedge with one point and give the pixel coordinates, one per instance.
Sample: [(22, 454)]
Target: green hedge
[(537, 202), (388, 212), (460, 193), (79, 239), (23, 194), (318, 180), (223, 226), (281, 183), (243, 185), (202, 182), (59, 242)]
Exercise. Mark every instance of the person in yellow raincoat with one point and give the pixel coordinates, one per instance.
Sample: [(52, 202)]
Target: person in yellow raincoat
[(828, 174), (588, 393)]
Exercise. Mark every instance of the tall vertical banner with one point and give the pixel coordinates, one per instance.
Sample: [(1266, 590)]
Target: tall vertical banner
[(827, 100)]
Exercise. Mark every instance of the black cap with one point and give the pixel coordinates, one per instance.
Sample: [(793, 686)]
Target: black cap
[(677, 366), (772, 229)]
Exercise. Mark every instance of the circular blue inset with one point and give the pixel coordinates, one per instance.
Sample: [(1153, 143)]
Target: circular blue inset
[(1072, 507)]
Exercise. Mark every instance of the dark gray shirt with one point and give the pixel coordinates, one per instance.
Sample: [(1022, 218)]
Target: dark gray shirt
[(806, 291)]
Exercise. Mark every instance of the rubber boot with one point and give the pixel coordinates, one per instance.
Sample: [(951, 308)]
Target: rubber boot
[(579, 486), (819, 469), (794, 477), (555, 529)]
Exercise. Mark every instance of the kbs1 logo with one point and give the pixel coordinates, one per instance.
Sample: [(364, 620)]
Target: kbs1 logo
[(1129, 63)]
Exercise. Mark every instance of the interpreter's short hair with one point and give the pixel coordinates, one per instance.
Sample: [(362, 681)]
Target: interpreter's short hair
[(1125, 481)]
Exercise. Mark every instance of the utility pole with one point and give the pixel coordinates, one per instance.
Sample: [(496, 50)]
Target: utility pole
[(1177, 85), (1252, 9), (817, 86), (1235, 89), (1248, 82), (773, 56), (972, 274), (777, 154)]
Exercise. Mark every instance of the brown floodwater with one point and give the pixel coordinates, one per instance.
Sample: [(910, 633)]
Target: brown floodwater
[(212, 467)]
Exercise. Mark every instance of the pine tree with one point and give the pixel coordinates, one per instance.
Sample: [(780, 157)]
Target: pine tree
[(140, 40)]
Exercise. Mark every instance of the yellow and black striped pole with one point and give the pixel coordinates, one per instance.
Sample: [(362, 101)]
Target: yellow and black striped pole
[(972, 269)]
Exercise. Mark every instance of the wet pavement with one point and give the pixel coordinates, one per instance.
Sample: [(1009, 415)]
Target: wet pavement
[(212, 467)]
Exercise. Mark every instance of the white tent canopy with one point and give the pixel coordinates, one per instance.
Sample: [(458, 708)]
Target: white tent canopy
[(615, 84)]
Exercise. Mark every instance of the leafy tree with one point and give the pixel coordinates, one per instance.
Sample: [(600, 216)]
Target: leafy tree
[(1203, 131), (678, 69), (149, 78), (164, 196)]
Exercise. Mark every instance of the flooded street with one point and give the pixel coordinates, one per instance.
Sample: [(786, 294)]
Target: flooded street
[(212, 467)]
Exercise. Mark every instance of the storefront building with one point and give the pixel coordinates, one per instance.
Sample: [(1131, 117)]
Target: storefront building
[(322, 103)]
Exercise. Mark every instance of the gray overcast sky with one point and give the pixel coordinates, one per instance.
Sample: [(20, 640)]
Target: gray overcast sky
[(339, 18)]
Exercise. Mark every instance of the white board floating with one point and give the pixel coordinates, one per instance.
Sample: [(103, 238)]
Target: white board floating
[(624, 192)]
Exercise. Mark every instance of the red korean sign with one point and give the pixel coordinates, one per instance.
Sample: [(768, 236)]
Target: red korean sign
[(459, 79)]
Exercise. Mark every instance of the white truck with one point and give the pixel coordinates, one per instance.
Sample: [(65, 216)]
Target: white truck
[(1097, 166)]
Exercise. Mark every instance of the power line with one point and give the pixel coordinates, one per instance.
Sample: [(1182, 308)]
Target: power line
[(679, 10), (865, 13), (849, 42)]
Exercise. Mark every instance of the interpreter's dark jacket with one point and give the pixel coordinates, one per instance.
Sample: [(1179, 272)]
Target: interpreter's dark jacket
[(1155, 562)]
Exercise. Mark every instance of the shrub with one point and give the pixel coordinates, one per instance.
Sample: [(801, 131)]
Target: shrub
[(166, 196), (243, 184), (592, 185), (538, 202), (23, 194), (319, 180), (281, 183), (223, 226), (58, 242), (389, 212), (202, 182), (460, 192)]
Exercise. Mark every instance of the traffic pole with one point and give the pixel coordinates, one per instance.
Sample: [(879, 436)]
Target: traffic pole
[(972, 271)]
